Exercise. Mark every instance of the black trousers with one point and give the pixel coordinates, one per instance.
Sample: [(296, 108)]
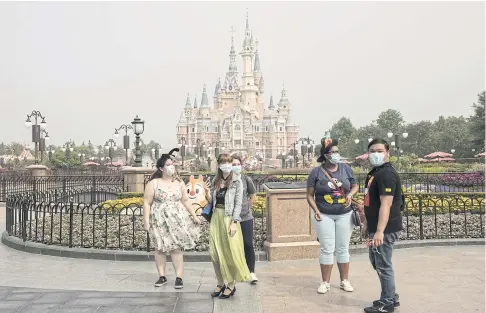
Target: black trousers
[(247, 232)]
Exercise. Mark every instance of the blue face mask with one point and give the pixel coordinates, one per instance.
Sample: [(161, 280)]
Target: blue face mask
[(335, 158), (376, 159)]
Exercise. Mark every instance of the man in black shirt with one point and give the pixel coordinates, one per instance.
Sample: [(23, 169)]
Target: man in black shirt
[(382, 206)]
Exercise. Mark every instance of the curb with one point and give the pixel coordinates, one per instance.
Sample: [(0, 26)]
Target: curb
[(119, 255), (102, 254)]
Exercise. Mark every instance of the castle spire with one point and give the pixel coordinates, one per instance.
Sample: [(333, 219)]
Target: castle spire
[(271, 106), (257, 59), (195, 102), (188, 102), (217, 88), (204, 98), (232, 66), (231, 79)]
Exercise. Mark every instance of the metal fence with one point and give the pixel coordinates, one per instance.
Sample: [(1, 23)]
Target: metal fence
[(412, 182), (58, 184), (34, 217)]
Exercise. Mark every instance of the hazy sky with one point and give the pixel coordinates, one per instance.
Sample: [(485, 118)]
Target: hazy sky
[(90, 67)]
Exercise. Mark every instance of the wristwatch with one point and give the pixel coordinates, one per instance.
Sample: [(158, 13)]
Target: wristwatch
[(235, 222)]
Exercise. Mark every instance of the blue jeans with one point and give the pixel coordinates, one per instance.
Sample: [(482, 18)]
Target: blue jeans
[(334, 233), (381, 260)]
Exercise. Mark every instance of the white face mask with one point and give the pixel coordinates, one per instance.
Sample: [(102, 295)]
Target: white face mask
[(335, 158), (226, 168), (170, 170), (376, 159), (237, 169)]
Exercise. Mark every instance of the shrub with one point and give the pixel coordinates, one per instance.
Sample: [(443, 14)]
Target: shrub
[(122, 203), (125, 195)]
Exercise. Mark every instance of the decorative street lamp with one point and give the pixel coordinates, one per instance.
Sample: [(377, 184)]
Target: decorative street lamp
[(156, 151), (453, 150), (306, 144), (36, 129), (67, 148), (42, 143), (126, 139), (364, 143), (138, 128), (110, 145), (81, 156)]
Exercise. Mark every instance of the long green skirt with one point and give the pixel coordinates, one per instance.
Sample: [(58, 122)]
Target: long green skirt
[(227, 253)]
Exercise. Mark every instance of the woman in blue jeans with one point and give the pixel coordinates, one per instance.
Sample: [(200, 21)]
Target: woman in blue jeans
[(330, 189)]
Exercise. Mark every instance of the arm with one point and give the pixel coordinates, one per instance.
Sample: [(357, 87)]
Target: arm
[(251, 190), (311, 190), (238, 200), (352, 182), (148, 198), (185, 200)]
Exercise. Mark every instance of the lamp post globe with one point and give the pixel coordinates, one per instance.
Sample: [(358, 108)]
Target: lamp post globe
[(453, 150), (405, 135), (390, 134), (356, 141)]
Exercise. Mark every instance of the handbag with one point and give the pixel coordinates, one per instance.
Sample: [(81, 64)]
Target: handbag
[(207, 212), (355, 217)]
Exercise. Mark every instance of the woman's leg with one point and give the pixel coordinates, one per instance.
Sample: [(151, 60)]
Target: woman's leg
[(344, 230), (247, 232), (160, 261), (178, 262), (325, 230)]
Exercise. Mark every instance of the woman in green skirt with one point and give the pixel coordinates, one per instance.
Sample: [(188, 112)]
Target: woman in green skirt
[(225, 238)]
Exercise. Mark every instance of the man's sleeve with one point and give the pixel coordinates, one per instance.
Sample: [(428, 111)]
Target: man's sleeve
[(250, 187), (387, 184), (311, 180)]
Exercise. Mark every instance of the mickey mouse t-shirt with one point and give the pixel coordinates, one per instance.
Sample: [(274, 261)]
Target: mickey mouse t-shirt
[(329, 200)]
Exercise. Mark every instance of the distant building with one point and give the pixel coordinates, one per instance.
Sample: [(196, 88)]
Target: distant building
[(238, 119)]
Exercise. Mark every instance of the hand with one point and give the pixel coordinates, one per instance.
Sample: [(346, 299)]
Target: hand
[(146, 225), (232, 229), (349, 200), (207, 184), (196, 219), (378, 239), (317, 215)]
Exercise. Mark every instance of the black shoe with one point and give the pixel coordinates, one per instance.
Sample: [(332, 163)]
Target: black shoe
[(396, 301), (223, 296), (162, 281), (380, 307), (216, 294), (178, 283)]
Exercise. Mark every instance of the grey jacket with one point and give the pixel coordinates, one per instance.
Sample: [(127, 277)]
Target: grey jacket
[(232, 199)]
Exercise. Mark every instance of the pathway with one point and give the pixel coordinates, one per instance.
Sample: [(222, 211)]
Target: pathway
[(442, 279)]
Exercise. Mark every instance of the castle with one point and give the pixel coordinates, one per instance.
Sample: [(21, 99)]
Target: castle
[(238, 119)]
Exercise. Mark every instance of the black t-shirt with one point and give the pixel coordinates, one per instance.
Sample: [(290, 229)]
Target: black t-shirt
[(383, 181), (220, 194)]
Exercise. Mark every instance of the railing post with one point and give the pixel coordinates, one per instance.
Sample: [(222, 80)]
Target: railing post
[(71, 216), (93, 189), (3, 192), (421, 222), (23, 214)]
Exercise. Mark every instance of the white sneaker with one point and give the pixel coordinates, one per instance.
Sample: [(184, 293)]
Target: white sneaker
[(254, 278), (346, 286), (324, 287)]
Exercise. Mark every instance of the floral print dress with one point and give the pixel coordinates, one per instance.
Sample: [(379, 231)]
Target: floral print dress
[(170, 223)]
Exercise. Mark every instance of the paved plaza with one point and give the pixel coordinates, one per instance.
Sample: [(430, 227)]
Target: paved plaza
[(432, 279)]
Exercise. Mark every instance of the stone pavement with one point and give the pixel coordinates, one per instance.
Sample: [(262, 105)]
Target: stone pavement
[(437, 279)]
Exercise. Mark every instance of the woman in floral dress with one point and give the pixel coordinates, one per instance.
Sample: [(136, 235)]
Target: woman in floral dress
[(169, 217)]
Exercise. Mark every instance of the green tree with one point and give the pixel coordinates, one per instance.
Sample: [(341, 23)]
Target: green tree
[(343, 129), (391, 120), (476, 123)]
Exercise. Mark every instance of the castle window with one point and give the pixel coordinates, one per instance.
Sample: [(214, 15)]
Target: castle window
[(266, 128), (193, 130), (237, 127), (281, 141), (281, 128)]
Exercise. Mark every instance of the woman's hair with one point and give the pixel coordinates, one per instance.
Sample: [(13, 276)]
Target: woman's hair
[(223, 158), (161, 163), (237, 157), (326, 144)]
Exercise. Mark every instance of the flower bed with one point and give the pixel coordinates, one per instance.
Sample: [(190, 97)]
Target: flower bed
[(459, 179)]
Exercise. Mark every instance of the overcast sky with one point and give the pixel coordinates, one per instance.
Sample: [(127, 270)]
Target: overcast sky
[(90, 67)]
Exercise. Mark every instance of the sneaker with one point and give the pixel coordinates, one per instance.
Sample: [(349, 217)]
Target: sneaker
[(346, 286), (380, 307), (178, 283), (254, 278), (324, 287), (396, 301), (162, 281)]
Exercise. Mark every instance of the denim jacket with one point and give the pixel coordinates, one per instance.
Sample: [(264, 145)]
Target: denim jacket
[(232, 199)]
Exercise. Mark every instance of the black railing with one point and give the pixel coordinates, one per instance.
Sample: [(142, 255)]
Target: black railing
[(61, 184), (412, 182), (36, 217)]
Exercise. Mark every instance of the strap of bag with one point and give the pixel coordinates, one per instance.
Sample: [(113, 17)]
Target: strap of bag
[(341, 189)]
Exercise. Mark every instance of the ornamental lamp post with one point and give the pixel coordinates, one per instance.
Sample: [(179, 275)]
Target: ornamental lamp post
[(42, 143), (36, 129), (138, 129), (126, 139)]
